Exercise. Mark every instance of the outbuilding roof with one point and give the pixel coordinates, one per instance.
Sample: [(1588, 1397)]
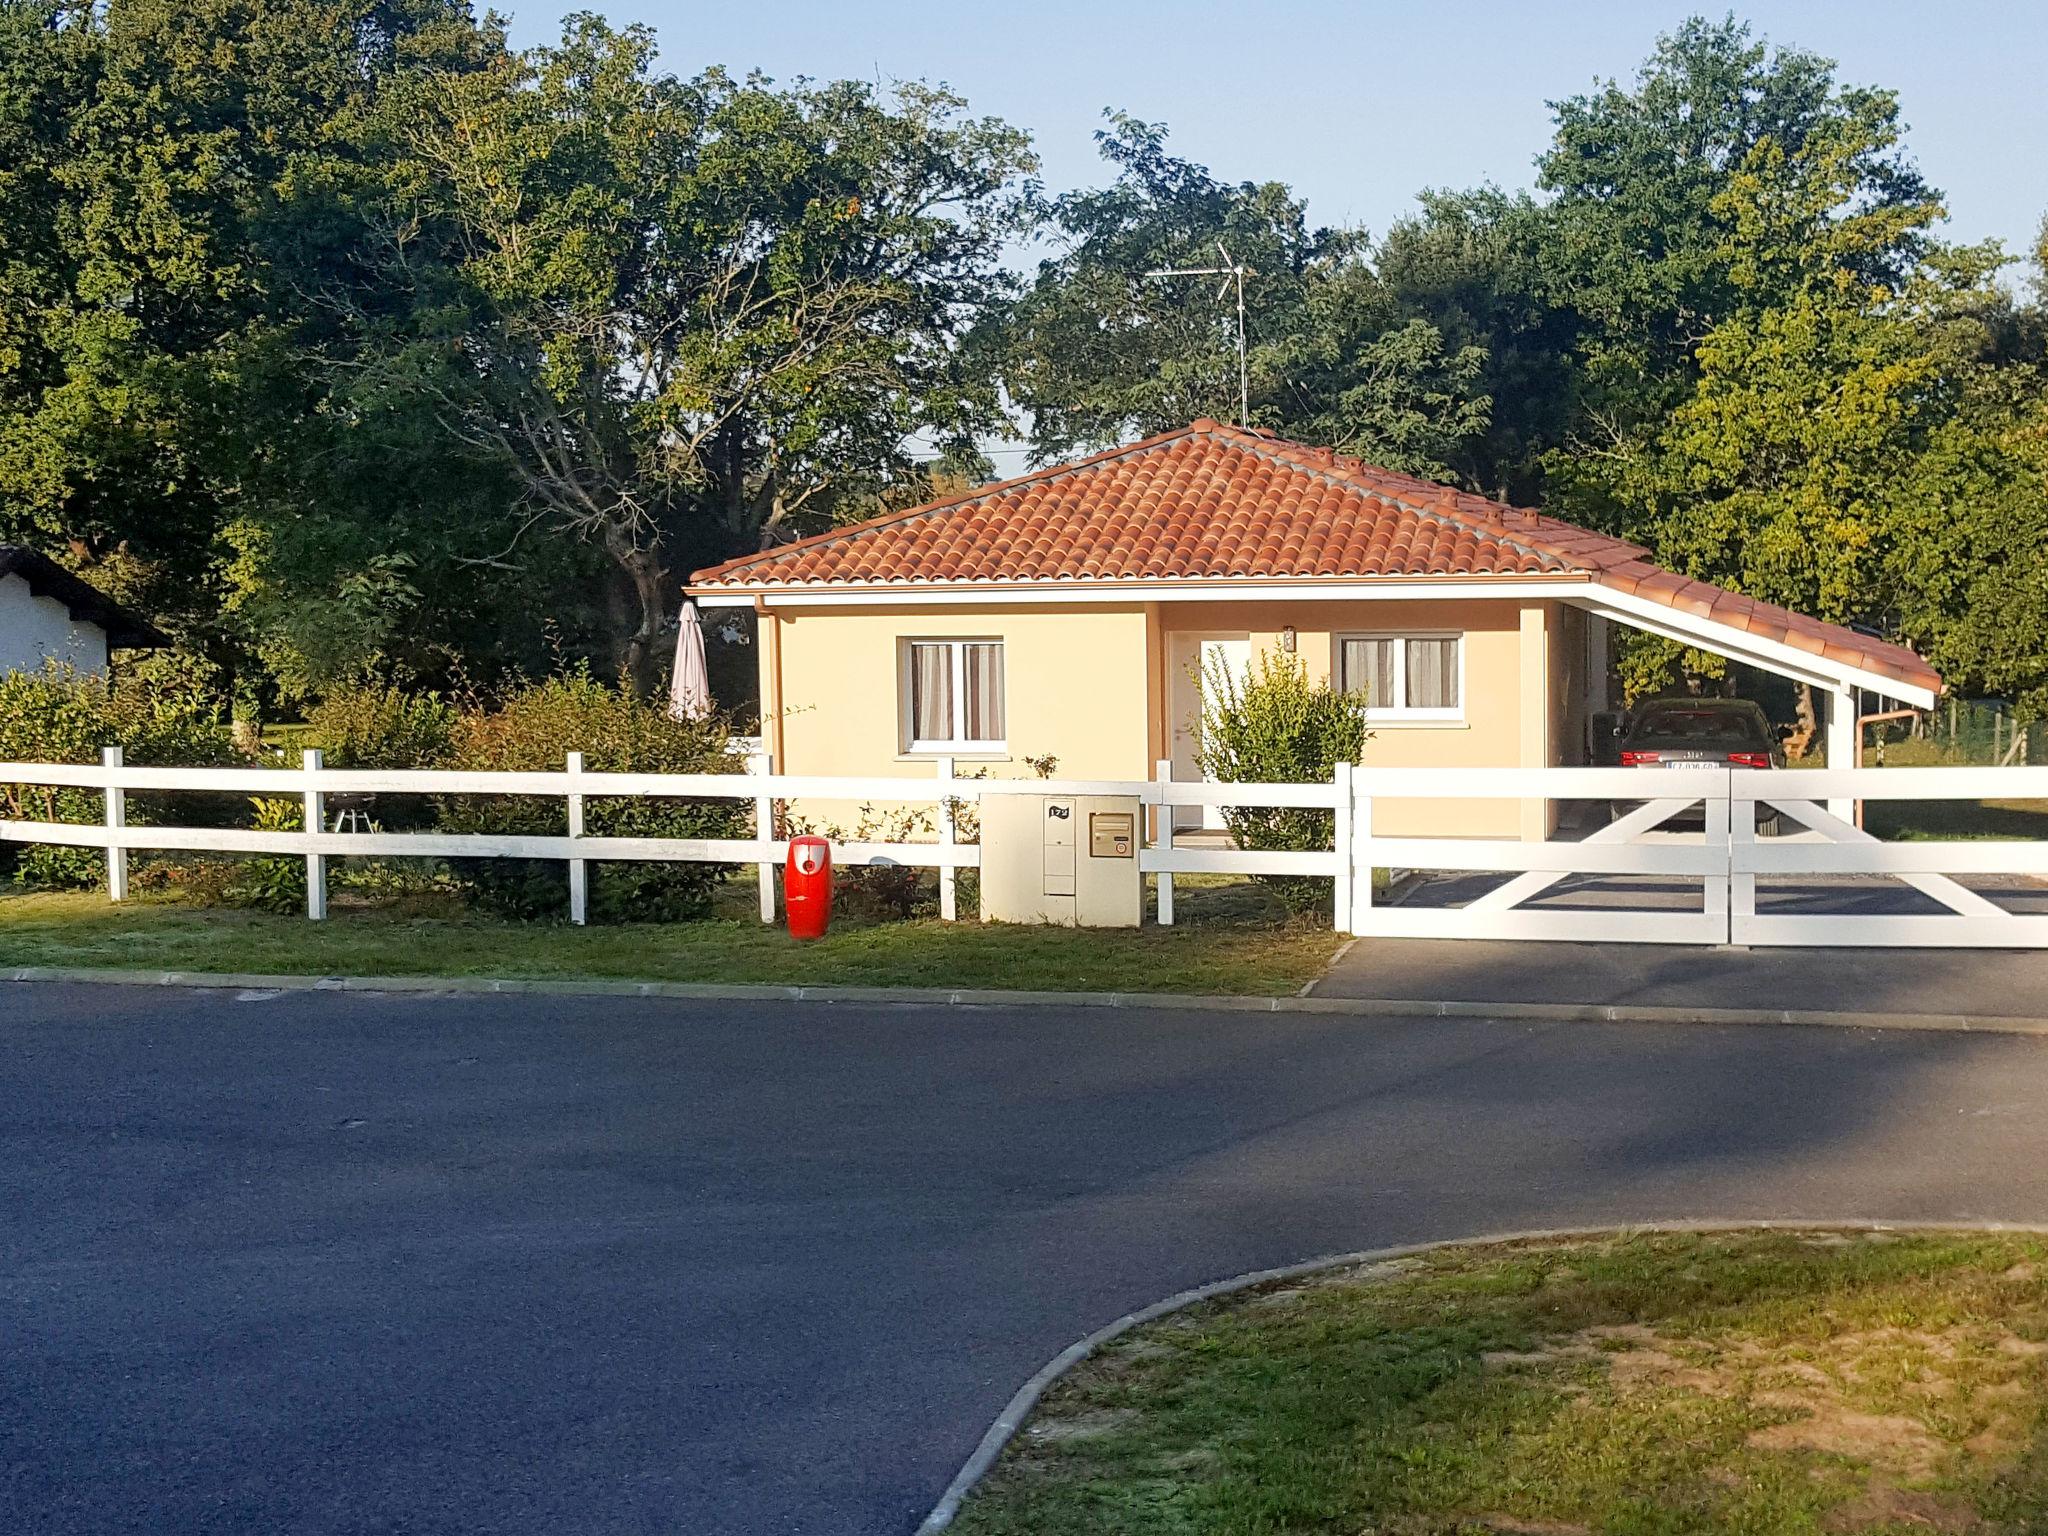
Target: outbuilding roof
[(125, 629), (1218, 503)]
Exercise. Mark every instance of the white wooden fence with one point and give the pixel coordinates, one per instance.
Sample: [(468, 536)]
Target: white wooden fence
[(1634, 880), (315, 784)]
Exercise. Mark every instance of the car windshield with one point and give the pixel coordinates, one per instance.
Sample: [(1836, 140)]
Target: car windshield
[(1701, 725)]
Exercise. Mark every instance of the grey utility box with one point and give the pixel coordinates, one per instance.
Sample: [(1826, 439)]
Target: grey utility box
[(1068, 860)]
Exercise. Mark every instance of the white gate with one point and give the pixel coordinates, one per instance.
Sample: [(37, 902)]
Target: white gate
[(1681, 861)]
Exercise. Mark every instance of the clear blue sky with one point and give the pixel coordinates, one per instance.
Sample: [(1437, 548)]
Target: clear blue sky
[(1358, 106)]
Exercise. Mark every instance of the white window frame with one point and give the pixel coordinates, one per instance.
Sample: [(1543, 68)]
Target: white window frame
[(957, 746), (1399, 710)]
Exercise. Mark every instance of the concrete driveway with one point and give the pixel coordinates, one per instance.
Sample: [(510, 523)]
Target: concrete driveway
[(347, 1263)]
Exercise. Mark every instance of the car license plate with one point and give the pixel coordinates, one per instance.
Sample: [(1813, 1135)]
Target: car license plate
[(1692, 762)]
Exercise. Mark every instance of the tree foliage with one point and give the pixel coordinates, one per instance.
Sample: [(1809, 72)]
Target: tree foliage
[(1097, 350)]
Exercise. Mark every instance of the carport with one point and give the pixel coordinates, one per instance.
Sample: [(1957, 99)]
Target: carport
[(1831, 660)]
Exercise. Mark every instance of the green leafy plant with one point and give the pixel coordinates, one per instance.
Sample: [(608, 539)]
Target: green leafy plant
[(59, 715), (272, 882), (535, 729), (888, 891), (1274, 726)]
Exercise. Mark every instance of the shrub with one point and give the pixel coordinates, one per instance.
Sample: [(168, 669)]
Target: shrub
[(534, 730), (59, 715), (368, 725), (1276, 727), (886, 891), (365, 725)]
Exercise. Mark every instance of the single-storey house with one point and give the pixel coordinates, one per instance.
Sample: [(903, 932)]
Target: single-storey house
[(47, 613), (1069, 613)]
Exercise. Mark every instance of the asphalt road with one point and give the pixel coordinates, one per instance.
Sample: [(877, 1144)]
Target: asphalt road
[(346, 1263)]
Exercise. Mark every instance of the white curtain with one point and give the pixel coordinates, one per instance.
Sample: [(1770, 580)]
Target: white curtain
[(931, 692), (983, 668), (1432, 674), (1367, 667)]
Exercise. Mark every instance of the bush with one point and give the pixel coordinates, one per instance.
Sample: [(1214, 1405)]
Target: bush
[(364, 725), (884, 891), (59, 715), (1279, 728), (534, 730), (367, 725)]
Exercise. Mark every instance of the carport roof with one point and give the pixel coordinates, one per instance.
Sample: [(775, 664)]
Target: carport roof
[(1212, 503)]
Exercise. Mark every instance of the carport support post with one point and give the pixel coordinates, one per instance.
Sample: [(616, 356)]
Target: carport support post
[(315, 823), (949, 895), (579, 869), (1162, 837), (117, 817), (1844, 746)]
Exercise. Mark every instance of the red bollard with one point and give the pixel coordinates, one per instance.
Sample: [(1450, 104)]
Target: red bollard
[(807, 887)]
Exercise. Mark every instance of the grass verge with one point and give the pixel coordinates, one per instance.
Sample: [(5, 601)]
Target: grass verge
[(1754, 1382), (1227, 941)]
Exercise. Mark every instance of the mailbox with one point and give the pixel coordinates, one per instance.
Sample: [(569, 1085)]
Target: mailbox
[(1070, 860), (1110, 835)]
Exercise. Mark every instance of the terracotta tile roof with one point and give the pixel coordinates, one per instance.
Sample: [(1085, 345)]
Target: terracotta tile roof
[(1212, 502)]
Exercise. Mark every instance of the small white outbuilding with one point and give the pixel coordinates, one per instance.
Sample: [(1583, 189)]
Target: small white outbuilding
[(47, 613)]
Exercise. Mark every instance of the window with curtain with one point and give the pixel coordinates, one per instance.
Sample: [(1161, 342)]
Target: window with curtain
[(956, 694), (1416, 675)]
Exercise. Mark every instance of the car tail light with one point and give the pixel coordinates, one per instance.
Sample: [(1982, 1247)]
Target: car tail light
[(1750, 759), (1639, 759)]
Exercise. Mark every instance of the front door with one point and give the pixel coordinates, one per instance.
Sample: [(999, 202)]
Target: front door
[(1195, 659)]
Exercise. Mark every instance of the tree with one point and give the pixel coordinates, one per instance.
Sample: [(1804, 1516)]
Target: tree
[(1096, 351), (690, 318), (155, 427)]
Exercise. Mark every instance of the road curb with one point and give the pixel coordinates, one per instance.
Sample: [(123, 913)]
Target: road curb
[(984, 997), (1011, 1419)]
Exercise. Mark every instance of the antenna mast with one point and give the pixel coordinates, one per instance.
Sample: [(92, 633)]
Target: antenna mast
[(1232, 274)]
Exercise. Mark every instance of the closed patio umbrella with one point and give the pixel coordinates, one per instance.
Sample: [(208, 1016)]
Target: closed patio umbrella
[(689, 690)]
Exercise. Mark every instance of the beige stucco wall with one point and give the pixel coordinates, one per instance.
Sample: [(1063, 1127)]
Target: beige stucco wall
[(1504, 666), (1093, 686), (1079, 687)]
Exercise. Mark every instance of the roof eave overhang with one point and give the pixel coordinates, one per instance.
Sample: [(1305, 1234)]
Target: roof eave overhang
[(1152, 590), (1577, 587), (1757, 650)]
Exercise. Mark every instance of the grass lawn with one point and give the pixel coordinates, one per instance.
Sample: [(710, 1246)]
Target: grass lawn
[(1760, 1383), (1228, 940)]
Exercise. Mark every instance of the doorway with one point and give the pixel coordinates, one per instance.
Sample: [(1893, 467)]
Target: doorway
[(1194, 659)]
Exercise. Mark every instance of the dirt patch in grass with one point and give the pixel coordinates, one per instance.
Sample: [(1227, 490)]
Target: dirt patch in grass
[(1797, 1382)]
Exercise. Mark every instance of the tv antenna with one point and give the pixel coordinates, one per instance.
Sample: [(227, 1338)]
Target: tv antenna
[(1232, 275)]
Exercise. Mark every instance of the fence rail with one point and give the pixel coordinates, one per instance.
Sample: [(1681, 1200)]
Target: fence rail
[(316, 784), (1673, 888)]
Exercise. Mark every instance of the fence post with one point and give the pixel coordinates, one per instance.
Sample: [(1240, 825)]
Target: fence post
[(117, 817), (316, 823), (1361, 857), (1341, 843), (1741, 832), (764, 831), (949, 896), (1719, 815), (1162, 837), (579, 869)]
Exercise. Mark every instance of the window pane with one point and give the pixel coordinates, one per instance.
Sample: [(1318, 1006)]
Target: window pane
[(931, 693), (1367, 667), (1432, 674), (984, 671)]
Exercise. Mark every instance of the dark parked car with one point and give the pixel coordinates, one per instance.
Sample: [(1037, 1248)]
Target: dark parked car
[(1704, 733)]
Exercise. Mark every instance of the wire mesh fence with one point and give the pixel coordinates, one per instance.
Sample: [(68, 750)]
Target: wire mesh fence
[(1981, 733)]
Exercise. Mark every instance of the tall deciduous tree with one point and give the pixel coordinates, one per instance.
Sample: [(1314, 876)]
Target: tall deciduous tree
[(690, 317), (1096, 350)]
